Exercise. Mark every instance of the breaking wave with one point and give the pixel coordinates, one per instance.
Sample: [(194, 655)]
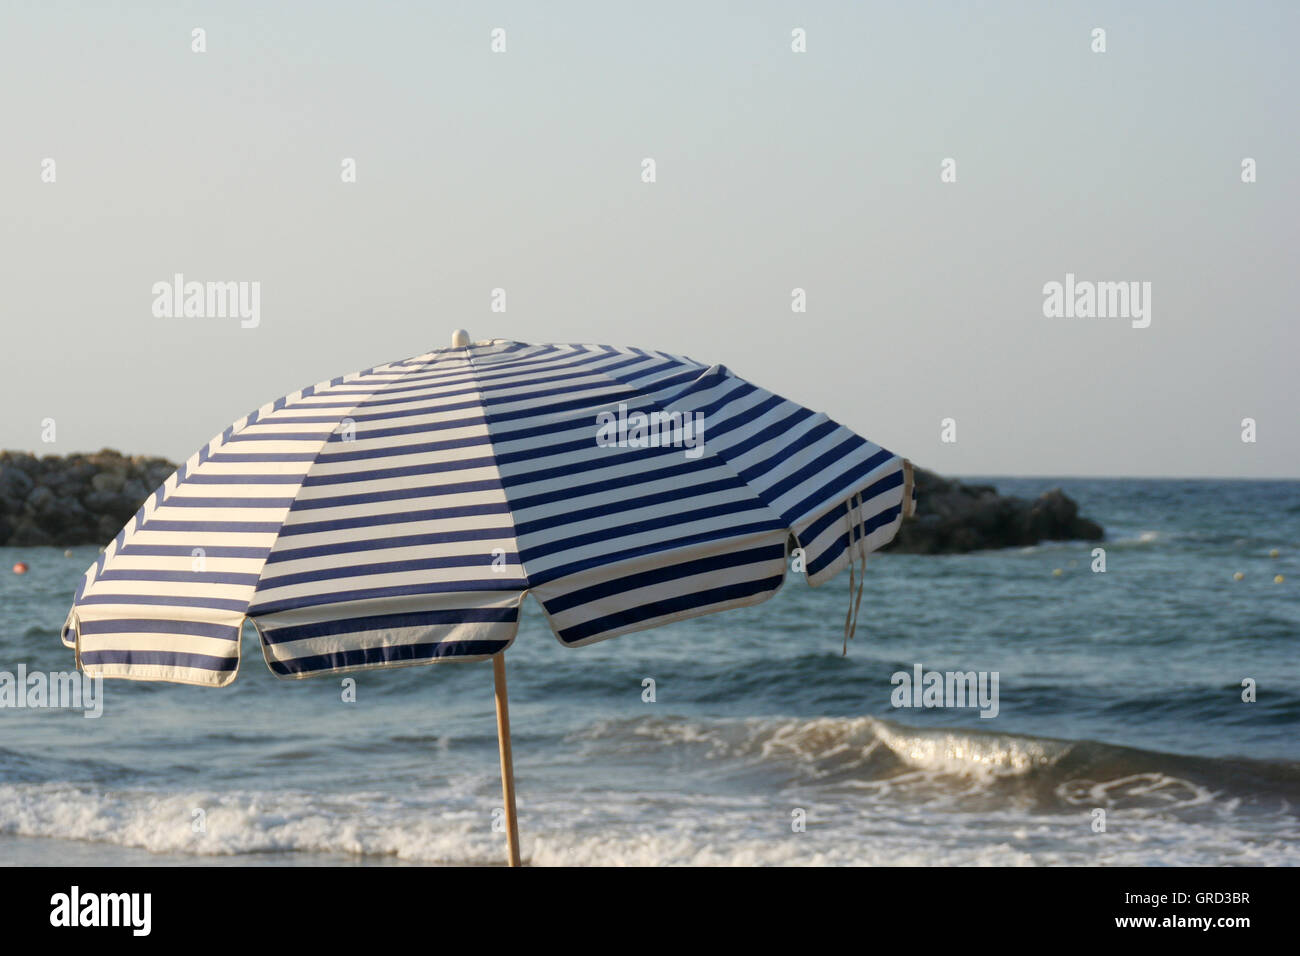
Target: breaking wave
[(872, 791)]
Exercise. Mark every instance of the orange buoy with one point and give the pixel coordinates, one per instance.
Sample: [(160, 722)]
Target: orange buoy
[(20, 567)]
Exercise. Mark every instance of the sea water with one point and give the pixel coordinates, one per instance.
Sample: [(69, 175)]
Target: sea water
[(1121, 734)]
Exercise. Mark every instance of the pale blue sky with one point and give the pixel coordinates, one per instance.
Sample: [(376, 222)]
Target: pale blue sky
[(775, 170)]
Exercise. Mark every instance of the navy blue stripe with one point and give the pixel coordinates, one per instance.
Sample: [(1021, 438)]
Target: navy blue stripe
[(580, 425), (386, 567), (385, 388), (406, 471), (849, 479), (612, 508), (397, 517), (642, 527), (777, 429), (390, 622), (150, 626), (611, 457), (559, 449), (697, 468), (398, 494), (243, 479), (523, 370), (840, 544), (525, 378), (337, 453), (204, 662), (386, 543), (373, 433), (666, 366), (838, 513), (393, 654), (674, 605), (740, 389), (179, 577), (279, 436), (654, 547), (433, 387), (693, 380), (521, 381), (186, 551), (177, 501), (531, 397), (377, 416), (787, 451), (165, 600), (589, 404), (497, 583), (822, 464), (590, 366), (228, 527), (250, 456), (660, 575), (438, 396)]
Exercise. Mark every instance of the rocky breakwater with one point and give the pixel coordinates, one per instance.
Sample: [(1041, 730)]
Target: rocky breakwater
[(73, 499), (952, 518), (86, 499)]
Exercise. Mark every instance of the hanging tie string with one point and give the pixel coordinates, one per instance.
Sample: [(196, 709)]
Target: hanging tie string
[(853, 510)]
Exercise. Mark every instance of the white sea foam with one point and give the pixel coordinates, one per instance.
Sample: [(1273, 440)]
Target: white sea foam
[(835, 744), (1142, 793), (872, 792), (612, 828), (969, 754), (244, 822)]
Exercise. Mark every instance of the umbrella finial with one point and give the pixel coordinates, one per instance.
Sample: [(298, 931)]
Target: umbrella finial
[(460, 339)]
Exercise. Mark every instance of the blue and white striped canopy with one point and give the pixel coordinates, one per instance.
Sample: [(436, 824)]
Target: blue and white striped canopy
[(399, 515)]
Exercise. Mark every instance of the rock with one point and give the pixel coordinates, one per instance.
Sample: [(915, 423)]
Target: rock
[(40, 501), (953, 518), (27, 533), (104, 502), (73, 499), (135, 491), (15, 484), (106, 530), (108, 481)]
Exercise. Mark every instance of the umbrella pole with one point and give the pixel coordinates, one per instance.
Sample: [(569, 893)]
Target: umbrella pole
[(507, 761)]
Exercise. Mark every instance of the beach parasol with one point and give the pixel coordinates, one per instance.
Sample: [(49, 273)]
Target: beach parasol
[(398, 516)]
